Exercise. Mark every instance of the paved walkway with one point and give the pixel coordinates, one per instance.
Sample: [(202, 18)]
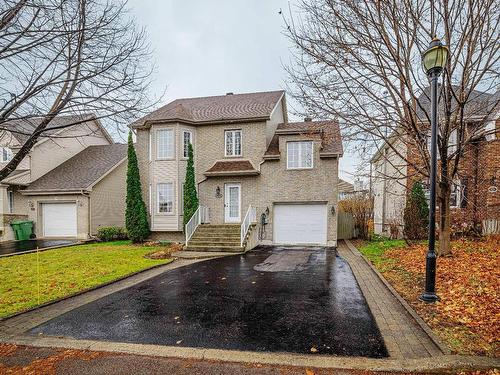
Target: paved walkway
[(403, 336)]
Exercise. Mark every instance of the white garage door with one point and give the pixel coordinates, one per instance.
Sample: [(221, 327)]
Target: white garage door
[(59, 219), (300, 224)]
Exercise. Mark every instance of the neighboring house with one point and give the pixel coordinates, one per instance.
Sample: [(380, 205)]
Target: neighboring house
[(389, 186), (246, 153), (68, 184), (475, 197), (346, 189)]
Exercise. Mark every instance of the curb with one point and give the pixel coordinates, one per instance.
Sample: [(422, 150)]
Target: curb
[(436, 340), (445, 363), (76, 294), (43, 249)]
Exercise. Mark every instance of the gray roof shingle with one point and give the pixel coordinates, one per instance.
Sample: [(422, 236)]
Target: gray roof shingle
[(479, 104), (22, 128), (329, 131), (82, 170), (216, 108)]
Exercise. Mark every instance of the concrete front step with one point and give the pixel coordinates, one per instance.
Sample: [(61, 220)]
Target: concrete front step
[(214, 243), (214, 237), (217, 230), (230, 249)]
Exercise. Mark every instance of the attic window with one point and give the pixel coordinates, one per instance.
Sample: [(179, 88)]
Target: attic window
[(5, 154)]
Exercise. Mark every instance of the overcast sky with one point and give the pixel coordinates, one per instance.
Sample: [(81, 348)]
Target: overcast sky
[(212, 47)]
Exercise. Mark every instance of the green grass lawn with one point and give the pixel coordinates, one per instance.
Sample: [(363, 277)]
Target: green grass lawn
[(65, 271), (374, 251)]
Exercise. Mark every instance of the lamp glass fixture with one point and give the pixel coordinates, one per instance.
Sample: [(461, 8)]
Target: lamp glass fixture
[(435, 56)]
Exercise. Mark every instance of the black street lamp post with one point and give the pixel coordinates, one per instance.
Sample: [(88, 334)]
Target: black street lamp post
[(433, 61)]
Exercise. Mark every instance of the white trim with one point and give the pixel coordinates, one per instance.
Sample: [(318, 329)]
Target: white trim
[(234, 155), (150, 199), (227, 219), (150, 146), (276, 106), (299, 154), (10, 201)]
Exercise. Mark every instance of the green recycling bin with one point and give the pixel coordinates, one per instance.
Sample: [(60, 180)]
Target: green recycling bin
[(23, 229)]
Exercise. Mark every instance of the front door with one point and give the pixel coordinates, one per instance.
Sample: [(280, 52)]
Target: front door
[(232, 203)]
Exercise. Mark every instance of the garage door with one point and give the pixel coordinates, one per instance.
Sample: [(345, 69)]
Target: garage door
[(59, 219), (300, 224)]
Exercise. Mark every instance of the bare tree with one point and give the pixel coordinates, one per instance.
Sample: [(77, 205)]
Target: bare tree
[(69, 57), (360, 61)]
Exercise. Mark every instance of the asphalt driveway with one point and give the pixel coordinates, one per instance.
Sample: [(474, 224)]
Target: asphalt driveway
[(271, 299)]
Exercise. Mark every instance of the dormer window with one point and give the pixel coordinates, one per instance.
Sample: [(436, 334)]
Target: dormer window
[(232, 142), (299, 155), (5, 154)]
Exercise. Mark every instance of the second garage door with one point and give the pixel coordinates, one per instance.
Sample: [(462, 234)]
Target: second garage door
[(59, 219), (296, 224)]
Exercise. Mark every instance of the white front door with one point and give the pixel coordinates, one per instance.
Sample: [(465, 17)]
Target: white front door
[(232, 203), (59, 219)]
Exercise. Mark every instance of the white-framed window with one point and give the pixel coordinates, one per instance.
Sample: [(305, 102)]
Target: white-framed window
[(5, 154), (165, 144), (187, 138), (456, 194), (452, 143), (165, 198), (10, 199), (232, 142), (299, 155)]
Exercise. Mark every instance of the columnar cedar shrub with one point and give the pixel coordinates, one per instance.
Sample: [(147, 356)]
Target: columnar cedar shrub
[(416, 213), (190, 195), (136, 217)]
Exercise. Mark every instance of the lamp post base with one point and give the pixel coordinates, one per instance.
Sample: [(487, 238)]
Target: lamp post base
[(429, 297)]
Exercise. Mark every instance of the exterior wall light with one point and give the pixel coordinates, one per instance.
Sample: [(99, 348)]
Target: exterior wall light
[(217, 192)]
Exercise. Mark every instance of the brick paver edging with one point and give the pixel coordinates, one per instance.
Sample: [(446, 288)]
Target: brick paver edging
[(444, 348), (76, 294)]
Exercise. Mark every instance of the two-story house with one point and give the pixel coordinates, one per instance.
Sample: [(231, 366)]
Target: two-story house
[(475, 193), (247, 156), (71, 182)]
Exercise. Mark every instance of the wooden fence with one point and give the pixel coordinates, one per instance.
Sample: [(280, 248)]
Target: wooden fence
[(345, 226)]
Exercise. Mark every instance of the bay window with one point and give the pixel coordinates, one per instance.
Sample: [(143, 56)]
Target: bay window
[(165, 198), (165, 144)]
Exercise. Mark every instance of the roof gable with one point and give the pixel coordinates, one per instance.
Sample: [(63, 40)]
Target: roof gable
[(82, 170), (21, 129)]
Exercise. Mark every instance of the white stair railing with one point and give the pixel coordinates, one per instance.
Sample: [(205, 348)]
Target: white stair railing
[(200, 216), (250, 218)]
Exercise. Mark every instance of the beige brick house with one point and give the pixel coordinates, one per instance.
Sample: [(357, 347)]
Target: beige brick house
[(249, 162), (70, 183)]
